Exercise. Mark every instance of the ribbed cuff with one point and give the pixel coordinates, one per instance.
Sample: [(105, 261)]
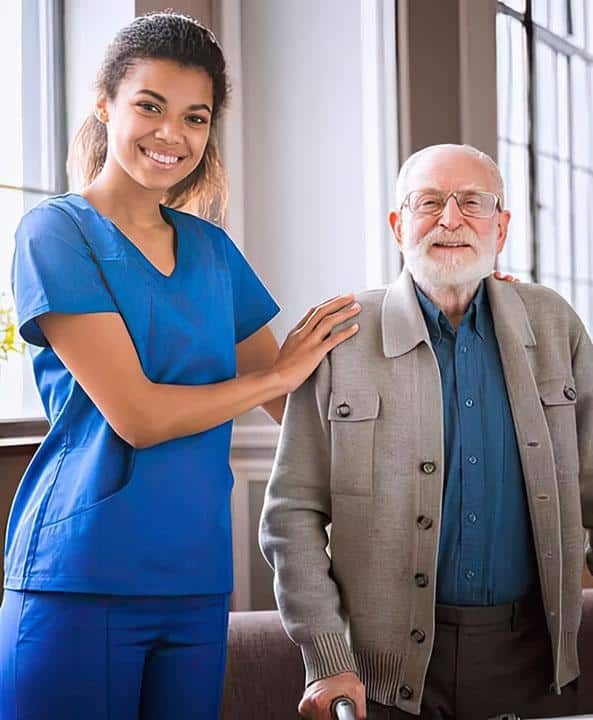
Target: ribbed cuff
[(327, 654)]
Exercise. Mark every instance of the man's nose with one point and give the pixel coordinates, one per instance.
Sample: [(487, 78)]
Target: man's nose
[(451, 217)]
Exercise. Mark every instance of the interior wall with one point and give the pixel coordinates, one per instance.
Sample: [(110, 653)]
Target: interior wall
[(447, 73), (199, 9)]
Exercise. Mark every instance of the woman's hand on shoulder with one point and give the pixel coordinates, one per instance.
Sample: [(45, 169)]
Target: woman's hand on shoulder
[(505, 277), (311, 339)]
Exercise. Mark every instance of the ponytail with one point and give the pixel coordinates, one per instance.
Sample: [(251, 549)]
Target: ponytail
[(87, 153)]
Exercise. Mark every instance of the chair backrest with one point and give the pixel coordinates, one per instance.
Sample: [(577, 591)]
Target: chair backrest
[(265, 676)]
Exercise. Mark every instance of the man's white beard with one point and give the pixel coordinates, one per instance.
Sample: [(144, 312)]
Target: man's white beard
[(455, 270)]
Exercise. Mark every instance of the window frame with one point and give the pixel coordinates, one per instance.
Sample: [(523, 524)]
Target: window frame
[(536, 34), (43, 83)]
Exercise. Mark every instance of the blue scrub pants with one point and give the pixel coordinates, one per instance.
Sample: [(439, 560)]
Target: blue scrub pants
[(69, 656)]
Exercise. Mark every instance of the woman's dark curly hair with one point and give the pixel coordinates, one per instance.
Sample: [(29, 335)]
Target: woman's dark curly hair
[(161, 36)]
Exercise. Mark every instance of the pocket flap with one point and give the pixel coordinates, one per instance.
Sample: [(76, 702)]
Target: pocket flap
[(558, 391), (354, 406)]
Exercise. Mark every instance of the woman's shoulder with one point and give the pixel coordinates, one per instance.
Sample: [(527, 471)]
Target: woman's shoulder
[(58, 211), (195, 223)]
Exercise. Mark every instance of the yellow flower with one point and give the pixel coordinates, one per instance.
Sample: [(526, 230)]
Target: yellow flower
[(9, 338)]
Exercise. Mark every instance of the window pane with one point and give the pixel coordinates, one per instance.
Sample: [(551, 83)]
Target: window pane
[(516, 255), (577, 16), (540, 12), (546, 99), (17, 388), (582, 301), (558, 17), (11, 141), (31, 147), (547, 230), (582, 227), (562, 108), (518, 5), (589, 25), (511, 80), (581, 112)]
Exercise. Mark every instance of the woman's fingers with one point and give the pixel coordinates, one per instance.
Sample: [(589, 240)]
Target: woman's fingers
[(334, 340), (505, 277), (325, 326), (318, 313)]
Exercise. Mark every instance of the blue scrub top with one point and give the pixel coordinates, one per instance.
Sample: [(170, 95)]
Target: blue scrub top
[(92, 514)]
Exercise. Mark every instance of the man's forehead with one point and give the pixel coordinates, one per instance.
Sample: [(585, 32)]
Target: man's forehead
[(449, 170)]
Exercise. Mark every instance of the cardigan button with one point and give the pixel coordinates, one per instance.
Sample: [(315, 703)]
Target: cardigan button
[(406, 692), (428, 467), (421, 580), (418, 635), (344, 410), (424, 522), (570, 393)]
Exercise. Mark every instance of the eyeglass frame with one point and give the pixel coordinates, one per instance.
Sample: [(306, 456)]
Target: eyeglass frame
[(497, 206)]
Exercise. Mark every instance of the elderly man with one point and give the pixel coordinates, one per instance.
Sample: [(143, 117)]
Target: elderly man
[(449, 445)]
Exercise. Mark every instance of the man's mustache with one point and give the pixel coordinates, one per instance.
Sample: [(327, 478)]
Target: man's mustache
[(438, 236)]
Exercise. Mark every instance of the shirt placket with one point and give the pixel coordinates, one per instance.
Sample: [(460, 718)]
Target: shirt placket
[(471, 515)]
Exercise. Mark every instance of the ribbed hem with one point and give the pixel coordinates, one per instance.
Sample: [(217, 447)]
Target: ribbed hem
[(327, 654), (380, 674)]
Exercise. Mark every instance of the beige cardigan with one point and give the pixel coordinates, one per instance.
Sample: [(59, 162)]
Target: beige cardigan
[(361, 448)]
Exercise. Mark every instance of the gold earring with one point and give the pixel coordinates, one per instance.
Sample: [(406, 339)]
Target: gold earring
[(101, 116)]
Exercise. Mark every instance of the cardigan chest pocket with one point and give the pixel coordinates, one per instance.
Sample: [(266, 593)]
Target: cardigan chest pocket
[(353, 416), (559, 397)]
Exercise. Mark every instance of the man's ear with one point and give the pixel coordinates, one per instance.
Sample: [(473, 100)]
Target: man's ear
[(395, 220), (504, 219)]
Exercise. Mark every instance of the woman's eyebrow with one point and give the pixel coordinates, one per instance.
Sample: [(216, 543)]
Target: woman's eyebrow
[(162, 99)]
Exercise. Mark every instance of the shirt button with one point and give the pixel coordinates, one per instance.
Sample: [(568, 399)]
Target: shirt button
[(428, 467), (418, 635), (463, 348), (469, 403), (421, 579), (469, 574), (343, 410), (406, 692), (472, 517), (424, 522), (473, 459)]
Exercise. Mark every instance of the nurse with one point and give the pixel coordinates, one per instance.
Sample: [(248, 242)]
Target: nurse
[(149, 335)]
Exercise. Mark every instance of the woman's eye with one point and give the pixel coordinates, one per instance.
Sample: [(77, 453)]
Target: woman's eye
[(196, 119), (149, 107)]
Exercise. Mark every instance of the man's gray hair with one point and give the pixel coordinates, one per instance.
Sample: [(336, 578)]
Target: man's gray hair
[(401, 186)]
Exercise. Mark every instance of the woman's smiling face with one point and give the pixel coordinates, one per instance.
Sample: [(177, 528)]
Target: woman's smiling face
[(158, 124)]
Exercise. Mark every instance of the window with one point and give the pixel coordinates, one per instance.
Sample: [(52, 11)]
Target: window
[(545, 143), (33, 151)]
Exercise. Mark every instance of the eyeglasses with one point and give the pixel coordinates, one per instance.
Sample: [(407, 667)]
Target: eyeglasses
[(471, 203)]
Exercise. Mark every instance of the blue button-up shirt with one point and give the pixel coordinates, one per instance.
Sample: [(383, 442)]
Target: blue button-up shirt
[(486, 551)]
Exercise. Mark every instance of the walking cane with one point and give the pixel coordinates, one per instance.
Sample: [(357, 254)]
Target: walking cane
[(342, 708)]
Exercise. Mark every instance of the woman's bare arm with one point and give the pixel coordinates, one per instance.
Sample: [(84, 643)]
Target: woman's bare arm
[(98, 351), (259, 352)]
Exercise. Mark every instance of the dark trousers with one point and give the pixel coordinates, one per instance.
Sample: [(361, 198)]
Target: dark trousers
[(487, 661)]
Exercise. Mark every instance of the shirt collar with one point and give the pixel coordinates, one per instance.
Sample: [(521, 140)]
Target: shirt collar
[(437, 321)]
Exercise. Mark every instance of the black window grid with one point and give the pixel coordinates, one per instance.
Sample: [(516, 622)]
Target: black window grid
[(557, 52)]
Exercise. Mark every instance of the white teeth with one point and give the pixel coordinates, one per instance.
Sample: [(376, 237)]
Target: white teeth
[(168, 159)]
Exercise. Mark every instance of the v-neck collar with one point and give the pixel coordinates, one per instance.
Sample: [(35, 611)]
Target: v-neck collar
[(133, 248)]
